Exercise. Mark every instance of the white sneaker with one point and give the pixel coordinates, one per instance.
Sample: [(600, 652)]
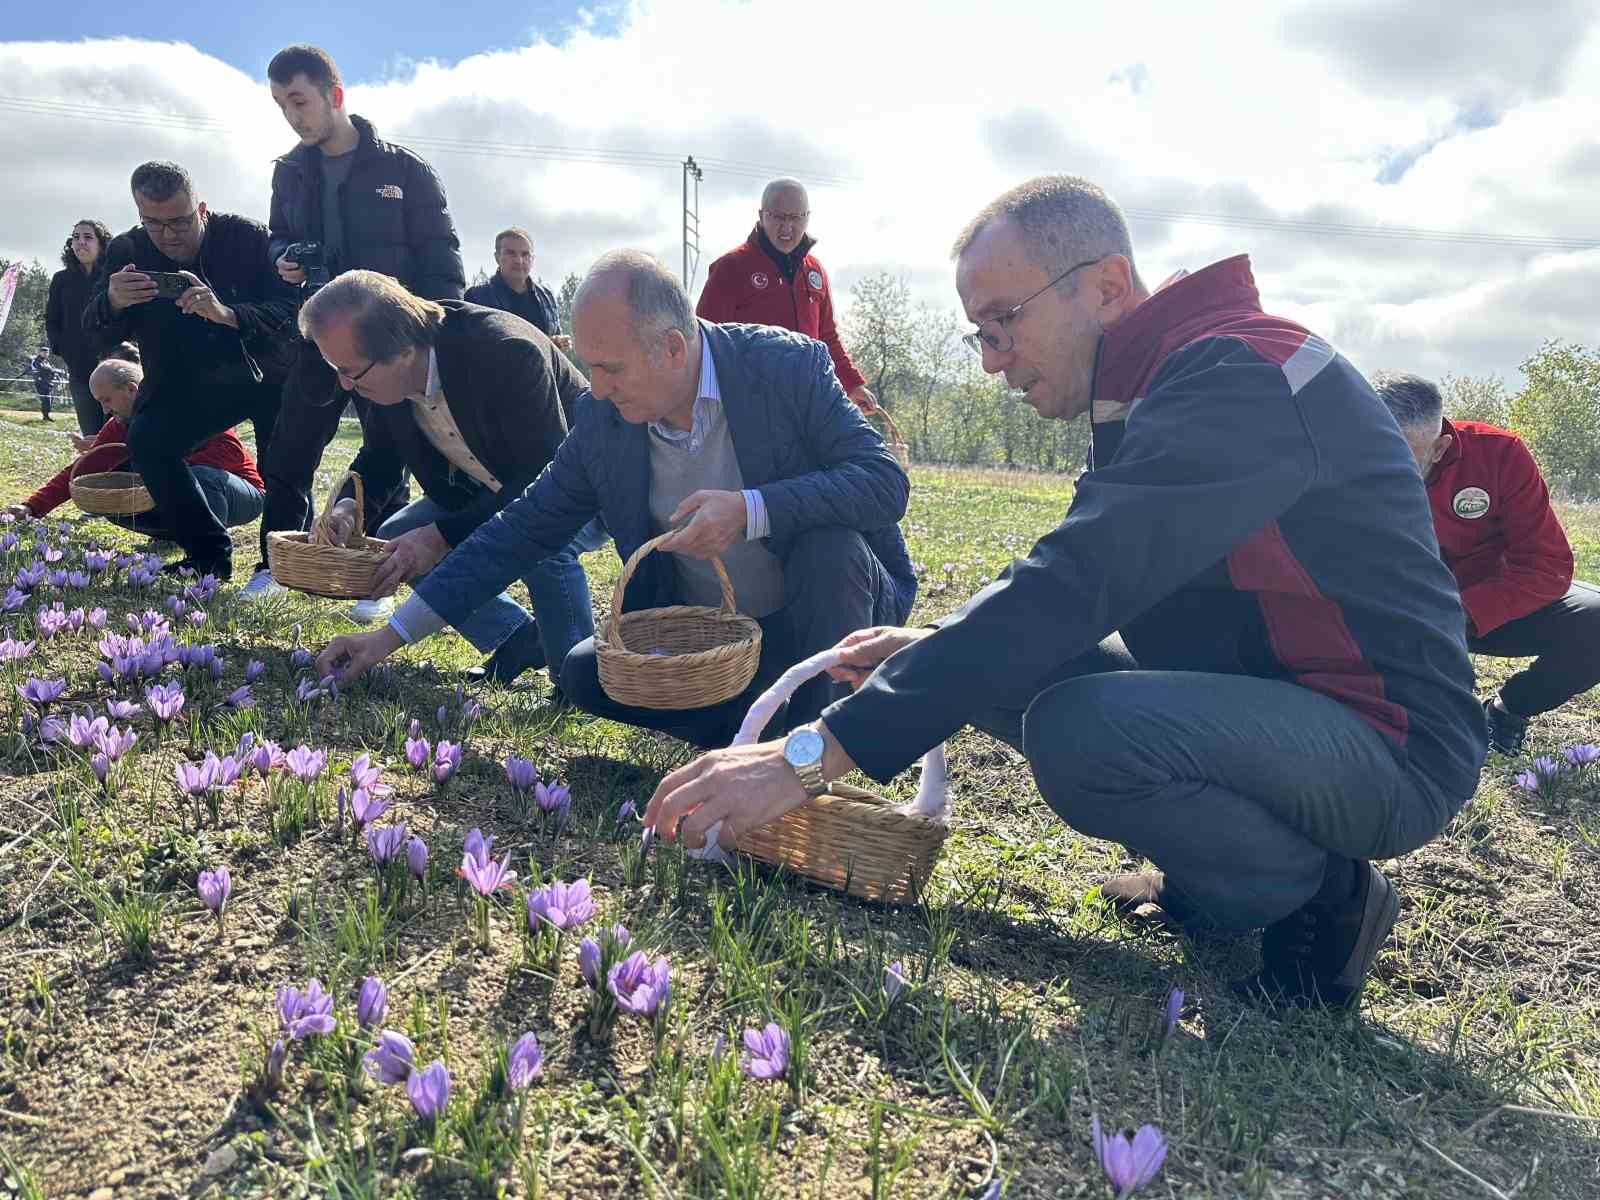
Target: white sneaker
[(365, 612), (262, 585)]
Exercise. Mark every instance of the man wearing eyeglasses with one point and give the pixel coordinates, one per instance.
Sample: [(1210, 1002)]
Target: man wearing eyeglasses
[(1239, 655), (208, 352), (774, 279)]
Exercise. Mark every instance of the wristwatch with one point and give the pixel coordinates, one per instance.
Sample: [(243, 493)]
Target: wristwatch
[(802, 750)]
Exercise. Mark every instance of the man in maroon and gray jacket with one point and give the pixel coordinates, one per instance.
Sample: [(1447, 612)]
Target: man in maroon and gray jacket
[(1502, 541), (1289, 694)]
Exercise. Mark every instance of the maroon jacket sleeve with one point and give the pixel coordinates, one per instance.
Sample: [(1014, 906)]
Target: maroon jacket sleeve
[(1536, 567), (849, 378), (718, 297), (56, 491)]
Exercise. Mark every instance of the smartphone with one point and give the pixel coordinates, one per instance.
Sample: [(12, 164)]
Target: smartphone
[(169, 284)]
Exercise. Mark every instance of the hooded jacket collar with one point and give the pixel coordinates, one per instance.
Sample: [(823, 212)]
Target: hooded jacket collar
[(304, 156), (788, 264)]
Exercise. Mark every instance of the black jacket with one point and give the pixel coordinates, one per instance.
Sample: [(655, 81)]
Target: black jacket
[(537, 305), (70, 293), (396, 219), (508, 390), (182, 352)]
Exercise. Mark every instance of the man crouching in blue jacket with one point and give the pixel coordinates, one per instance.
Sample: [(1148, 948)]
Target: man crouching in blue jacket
[(1290, 695), (737, 436)]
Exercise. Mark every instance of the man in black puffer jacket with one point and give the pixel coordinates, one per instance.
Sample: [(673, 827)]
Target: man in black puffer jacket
[(207, 349), (369, 205)]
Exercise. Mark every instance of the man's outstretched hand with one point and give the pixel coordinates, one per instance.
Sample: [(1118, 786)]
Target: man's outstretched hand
[(349, 656)]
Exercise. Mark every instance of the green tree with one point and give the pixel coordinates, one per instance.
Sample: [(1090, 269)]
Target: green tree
[(569, 289), (1476, 398), (880, 332), (1557, 412)]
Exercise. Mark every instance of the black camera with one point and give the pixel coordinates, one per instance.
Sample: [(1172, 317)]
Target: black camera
[(311, 260)]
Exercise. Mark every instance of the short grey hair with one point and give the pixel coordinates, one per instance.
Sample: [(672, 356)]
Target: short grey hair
[(1415, 402), (160, 181), (656, 297), (385, 318), (1062, 219), (783, 184), (119, 371)]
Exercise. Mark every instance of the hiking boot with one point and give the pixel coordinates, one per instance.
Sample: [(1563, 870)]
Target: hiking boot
[(1319, 955), (1507, 731)]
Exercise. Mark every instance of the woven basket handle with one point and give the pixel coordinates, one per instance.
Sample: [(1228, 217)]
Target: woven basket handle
[(77, 463), (324, 535), (614, 626), (890, 427)]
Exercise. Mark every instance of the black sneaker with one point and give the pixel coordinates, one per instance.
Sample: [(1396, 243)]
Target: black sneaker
[(522, 651), (1507, 731), (1319, 955)]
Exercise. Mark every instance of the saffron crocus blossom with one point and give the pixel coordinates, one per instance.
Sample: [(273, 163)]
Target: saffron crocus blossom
[(308, 1012), (165, 700), (476, 846), (215, 887), (195, 779), (485, 875), (372, 1002), (42, 693), (1583, 755), (101, 766), (390, 1060), (306, 691), (590, 955), (266, 757), (1129, 1163), (639, 985), (305, 764), (417, 752), (1174, 1009), (253, 669), (299, 659), (1527, 781), (429, 1090), (365, 774), (628, 812), (365, 807), (768, 1056), (561, 905), (114, 743), (276, 1057), (12, 650), (524, 1062), (386, 841), (554, 800), (446, 761), (417, 857), (1545, 766), (894, 981), (122, 710), (520, 773), (241, 698), (83, 733)]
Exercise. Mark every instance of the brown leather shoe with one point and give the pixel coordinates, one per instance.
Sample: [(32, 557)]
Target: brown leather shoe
[(1144, 896), (1319, 955)]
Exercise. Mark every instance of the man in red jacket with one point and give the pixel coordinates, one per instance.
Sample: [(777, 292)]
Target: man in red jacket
[(222, 466), (1503, 543), (774, 279)]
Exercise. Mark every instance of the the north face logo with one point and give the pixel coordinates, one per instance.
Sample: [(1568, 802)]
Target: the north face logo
[(391, 191)]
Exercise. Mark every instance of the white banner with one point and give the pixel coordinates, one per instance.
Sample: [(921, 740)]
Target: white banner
[(8, 289)]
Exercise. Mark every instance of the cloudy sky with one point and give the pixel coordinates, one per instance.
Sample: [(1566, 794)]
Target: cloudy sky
[(1419, 181)]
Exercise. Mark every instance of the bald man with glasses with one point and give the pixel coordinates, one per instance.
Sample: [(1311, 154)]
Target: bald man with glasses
[(774, 279)]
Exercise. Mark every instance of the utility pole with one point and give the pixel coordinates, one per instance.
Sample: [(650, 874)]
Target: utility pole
[(691, 223)]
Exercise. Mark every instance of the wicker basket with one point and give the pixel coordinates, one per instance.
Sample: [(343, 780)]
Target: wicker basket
[(108, 493), (710, 653), (346, 572), (896, 443)]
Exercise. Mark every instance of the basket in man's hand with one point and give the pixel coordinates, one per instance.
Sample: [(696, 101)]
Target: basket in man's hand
[(108, 493), (324, 567)]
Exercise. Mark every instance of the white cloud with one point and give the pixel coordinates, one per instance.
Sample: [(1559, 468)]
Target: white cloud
[(1268, 113)]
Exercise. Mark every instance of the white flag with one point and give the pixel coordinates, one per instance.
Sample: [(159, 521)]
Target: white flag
[(8, 289)]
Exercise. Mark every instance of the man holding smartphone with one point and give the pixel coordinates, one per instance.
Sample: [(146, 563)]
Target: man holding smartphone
[(195, 290), (344, 199)]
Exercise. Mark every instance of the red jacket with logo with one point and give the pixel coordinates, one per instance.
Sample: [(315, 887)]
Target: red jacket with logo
[(748, 285), (1497, 532), (224, 451)]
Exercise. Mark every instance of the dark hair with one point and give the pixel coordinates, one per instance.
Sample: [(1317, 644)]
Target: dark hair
[(512, 231), (315, 63), (1414, 401), (160, 181), (125, 352), (101, 234)]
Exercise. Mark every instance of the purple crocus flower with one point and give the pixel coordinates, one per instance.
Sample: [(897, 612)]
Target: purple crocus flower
[(1129, 1163), (1174, 1008), (305, 692), (196, 779), (12, 650), (276, 1057), (305, 764), (386, 841), (114, 743), (42, 693), (101, 766), (628, 812), (589, 954), (228, 768), (768, 1056), (390, 1060), (1583, 755), (524, 1062), (241, 698), (554, 799), (520, 773), (372, 1002), (305, 1013), (253, 669), (363, 774), (266, 757), (446, 761), (82, 732), (1527, 781), (365, 807), (416, 856), (477, 847), (485, 875), (894, 981), (299, 659), (122, 710), (639, 985), (14, 599), (417, 751), (429, 1090), (562, 905), (165, 700), (1545, 767), (215, 887)]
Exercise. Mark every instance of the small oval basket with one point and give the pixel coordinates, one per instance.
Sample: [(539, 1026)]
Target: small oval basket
[(108, 493), (852, 840), (896, 443), (682, 656), (339, 572)]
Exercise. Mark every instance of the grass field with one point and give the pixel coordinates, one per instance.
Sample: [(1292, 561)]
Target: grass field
[(135, 1033)]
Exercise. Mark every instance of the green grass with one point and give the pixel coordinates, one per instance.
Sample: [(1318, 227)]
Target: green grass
[(134, 1032)]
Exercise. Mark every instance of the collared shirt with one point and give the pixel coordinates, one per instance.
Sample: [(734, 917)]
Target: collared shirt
[(707, 406), (432, 412)]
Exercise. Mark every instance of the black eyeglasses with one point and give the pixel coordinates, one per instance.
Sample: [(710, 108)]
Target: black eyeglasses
[(356, 378), (993, 332), (176, 225)]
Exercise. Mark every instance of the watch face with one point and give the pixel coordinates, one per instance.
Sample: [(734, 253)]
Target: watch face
[(803, 748)]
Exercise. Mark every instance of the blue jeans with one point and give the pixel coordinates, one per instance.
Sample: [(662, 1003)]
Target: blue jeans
[(231, 500), (557, 587)]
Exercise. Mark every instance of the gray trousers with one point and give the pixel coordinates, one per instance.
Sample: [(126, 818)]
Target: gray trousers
[(1241, 790)]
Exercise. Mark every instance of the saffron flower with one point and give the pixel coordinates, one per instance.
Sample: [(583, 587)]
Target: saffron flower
[(122, 710), (485, 875), (195, 779), (165, 700), (390, 1060), (417, 856), (476, 846), (300, 659), (42, 693), (253, 669), (429, 1090), (1174, 1009), (446, 761), (276, 1057), (628, 812), (417, 751), (524, 1062), (363, 774), (266, 757), (554, 801), (894, 981), (215, 887), (563, 906), (1129, 1163), (114, 743), (387, 841), (12, 650), (372, 1002), (639, 985), (520, 773), (366, 808), (305, 764), (1583, 755), (768, 1056), (241, 698), (305, 1013), (589, 954), (83, 733), (1546, 766)]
